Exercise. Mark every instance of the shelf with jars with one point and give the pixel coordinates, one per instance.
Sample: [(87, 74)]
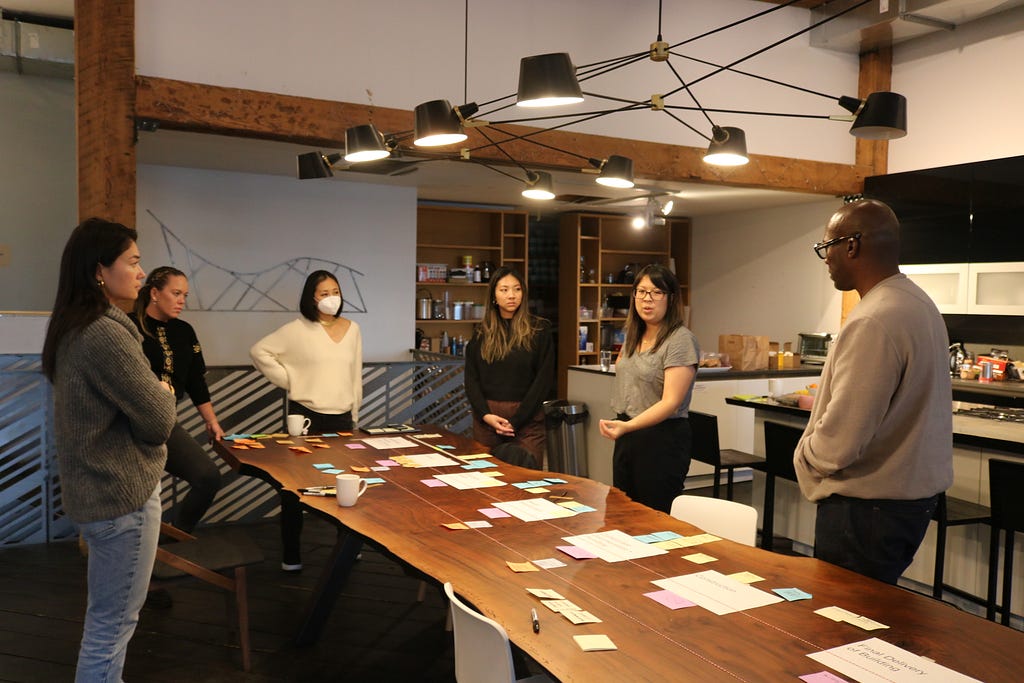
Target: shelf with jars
[(599, 256), (457, 250)]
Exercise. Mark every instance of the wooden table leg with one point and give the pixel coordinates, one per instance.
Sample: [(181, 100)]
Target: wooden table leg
[(332, 580)]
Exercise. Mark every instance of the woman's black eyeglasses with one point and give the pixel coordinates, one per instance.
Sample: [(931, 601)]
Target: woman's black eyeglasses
[(821, 248)]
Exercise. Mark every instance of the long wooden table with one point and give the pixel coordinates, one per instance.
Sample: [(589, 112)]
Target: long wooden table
[(405, 517)]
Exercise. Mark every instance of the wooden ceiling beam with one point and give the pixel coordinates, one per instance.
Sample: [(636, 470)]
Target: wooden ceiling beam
[(105, 103), (200, 108)]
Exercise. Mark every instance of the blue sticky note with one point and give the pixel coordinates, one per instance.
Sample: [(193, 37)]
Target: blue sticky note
[(323, 465), (646, 538), (373, 480), (447, 448), (479, 465), (232, 437), (580, 507), (792, 594), (524, 484), (555, 480), (665, 535), (333, 471), (328, 435)]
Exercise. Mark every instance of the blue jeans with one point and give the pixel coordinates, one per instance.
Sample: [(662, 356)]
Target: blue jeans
[(121, 555), (877, 538)]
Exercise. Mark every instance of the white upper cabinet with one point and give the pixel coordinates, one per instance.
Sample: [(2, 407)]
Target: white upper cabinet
[(996, 288), (946, 283)]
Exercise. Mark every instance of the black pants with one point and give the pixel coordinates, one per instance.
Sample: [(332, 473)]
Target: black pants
[(876, 538), (187, 460), (291, 510), (650, 465)]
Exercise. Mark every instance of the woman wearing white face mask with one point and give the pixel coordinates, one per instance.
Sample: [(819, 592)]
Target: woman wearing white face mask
[(318, 360)]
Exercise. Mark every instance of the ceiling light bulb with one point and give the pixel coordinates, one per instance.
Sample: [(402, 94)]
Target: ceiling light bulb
[(437, 124), (728, 147), (667, 209), (639, 222)]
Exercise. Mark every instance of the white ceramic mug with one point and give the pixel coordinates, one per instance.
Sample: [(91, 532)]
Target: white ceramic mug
[(348, 488), (297, 424)]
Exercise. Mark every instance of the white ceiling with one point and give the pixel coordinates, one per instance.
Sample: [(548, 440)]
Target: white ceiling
[(436, 180)]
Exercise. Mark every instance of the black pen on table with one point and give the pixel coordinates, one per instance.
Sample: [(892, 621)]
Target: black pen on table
[(535, 620)]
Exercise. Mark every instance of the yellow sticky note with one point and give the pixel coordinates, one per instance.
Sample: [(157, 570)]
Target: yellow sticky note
[(667, 545), (313, 439), (359, 468), (700, 558), (452, 525), (594, 643), (285, 442), (522, 567), (474, 456), (745, 577), (538, 489), (493, 473)]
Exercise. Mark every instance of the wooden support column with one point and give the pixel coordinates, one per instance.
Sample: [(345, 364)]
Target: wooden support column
[(105, 108), (875, 76)]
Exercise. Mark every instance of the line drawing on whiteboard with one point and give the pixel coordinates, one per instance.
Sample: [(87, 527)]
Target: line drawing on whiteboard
[(213, 287)]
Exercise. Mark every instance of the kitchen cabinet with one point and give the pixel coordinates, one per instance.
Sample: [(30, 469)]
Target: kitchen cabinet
[(594, 248), (996, 288), (946, 284), (444, 237)]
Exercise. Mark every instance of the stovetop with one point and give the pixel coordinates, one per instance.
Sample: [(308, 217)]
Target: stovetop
[(1002, 414)]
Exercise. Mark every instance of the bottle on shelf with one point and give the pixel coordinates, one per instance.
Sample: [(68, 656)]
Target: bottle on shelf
[(583, 271), (444, 342)]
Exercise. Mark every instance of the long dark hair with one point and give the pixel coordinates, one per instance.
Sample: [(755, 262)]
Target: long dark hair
[(665, 280), (307, 302), (80, 298), (157, 280), (497, 339)]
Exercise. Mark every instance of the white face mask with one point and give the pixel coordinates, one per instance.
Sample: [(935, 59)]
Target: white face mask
[(329, 305)]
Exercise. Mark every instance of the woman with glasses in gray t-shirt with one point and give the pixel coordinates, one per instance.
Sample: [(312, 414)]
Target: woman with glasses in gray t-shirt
[(654, 377)]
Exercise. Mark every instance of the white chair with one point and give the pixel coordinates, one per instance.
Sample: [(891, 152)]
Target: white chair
[(718, 516), (482, 650)]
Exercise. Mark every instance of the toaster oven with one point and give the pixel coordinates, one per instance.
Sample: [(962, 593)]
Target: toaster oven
[(814, 347)]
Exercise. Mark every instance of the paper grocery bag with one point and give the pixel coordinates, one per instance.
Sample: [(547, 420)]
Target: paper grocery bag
[(746, 352)]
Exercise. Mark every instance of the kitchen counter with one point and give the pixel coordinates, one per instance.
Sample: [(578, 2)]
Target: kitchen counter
[(967, 431), (1005, 393), (713, 374)]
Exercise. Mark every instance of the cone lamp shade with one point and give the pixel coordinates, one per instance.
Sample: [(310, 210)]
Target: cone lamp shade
[(313, 165), (728, 147), (539, 186), (883, 117), (547, 81), (365, 143), (437, 124), (616, 172)]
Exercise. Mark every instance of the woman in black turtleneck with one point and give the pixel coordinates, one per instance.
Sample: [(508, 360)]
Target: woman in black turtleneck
[(175, 356), (510, 366)]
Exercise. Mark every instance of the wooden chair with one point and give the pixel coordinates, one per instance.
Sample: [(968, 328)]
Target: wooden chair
[(216, 559), (952, 512), (1005, 481), (482, 651), (706, 449), (779, 444), (725, 518)]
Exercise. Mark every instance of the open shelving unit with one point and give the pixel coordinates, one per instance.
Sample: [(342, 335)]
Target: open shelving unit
[(607, 244), (445, 234)]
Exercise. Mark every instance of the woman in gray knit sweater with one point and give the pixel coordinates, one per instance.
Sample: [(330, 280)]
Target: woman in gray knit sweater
[(111, 419)]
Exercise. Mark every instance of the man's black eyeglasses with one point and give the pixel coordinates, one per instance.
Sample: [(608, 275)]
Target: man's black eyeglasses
[(821, 248)]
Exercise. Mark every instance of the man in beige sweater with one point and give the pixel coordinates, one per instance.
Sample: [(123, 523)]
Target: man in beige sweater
[(878, 448)]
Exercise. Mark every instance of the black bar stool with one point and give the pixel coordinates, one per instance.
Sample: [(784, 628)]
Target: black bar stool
[(779, 443), (706, 449), (1005, 482), (952, 512)]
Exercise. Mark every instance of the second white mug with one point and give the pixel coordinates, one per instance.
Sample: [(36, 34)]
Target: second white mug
[(297, 424), (348, 488)]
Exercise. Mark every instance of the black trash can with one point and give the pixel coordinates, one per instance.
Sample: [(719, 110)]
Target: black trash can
[(566, 436)]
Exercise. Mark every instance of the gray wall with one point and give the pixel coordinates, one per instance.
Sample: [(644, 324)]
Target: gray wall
[(38, 200)]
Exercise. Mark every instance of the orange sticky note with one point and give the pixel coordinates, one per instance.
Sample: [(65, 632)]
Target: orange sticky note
[(256, 445), (359, 468), (522, 567), (240, 447), (299, 449), (285, 442), (321, 445)]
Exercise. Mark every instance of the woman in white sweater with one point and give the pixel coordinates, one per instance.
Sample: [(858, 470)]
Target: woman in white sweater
[(318, 360)]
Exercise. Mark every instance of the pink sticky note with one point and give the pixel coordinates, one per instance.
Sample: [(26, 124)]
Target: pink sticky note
[(355, 445), (669, 599), (576, 551), (493, 513), (822, 677), (433, 483), (387, 463)]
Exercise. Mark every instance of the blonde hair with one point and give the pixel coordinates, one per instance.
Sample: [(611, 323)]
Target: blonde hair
[(498, 340)]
